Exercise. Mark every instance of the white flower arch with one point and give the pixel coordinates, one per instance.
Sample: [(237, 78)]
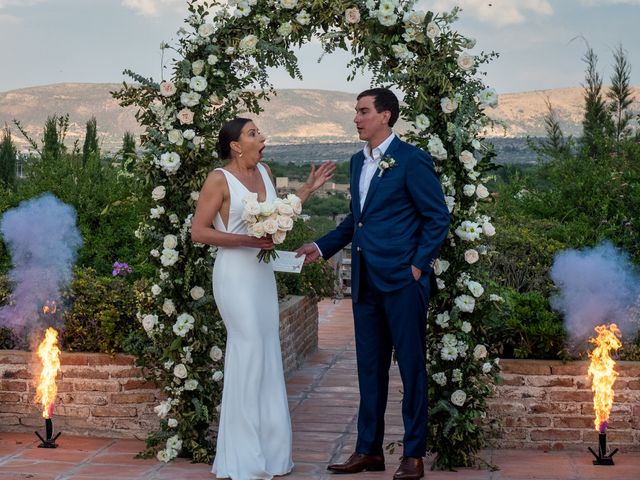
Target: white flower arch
[(223, 54)]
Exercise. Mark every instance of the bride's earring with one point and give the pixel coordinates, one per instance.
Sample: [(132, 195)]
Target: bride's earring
[(240, 155)]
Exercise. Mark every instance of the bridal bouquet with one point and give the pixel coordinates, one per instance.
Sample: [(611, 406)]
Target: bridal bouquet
[(270, 218)]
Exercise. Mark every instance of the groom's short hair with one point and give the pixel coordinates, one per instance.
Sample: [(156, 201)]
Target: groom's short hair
[(384, 99)]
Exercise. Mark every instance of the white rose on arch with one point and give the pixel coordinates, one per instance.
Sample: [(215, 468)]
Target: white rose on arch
[(215, 353), (422, 122), (170, 241), (458, 398), (433, 30), (466, 61), (482, 192), (248, 44), (479, 352), (471, 256), (158, 193), (352, 15), (448, 105), (167, 89), (197, 292), (180, 371)]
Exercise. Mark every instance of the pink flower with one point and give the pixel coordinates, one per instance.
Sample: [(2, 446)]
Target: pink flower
[(352, 15), (167, 89), (185, 116)]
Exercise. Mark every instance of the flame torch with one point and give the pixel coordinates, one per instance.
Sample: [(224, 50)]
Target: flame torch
[(603, 375), (49, 355)]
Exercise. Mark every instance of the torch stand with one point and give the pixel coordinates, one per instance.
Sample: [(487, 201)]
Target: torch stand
[(49, 442), (602, 458)]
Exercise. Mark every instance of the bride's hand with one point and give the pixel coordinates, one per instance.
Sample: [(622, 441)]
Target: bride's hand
[(320, 175), (264, 243)]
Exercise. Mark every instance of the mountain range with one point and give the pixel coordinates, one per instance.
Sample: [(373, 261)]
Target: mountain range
[(291, 117)]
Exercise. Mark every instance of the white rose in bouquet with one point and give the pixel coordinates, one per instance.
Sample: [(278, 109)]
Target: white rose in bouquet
[(270, 226), (284, 223), (256, 230), (197, 67), (283, 208), (279, 237), (156, 290), (217, 376)]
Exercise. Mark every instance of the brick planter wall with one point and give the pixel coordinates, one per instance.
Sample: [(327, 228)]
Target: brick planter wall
[(549, 405), (100, 395)]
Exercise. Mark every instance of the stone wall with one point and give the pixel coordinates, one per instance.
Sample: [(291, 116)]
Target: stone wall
[(549, 405), (101, 395)]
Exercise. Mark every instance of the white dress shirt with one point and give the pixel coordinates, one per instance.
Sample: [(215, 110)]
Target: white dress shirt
[(370, 166)]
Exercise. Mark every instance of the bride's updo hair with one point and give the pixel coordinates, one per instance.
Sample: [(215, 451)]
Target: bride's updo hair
[(230, 132)]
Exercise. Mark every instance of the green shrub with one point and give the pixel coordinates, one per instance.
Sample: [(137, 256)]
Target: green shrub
[(526, 327), (102, 312)]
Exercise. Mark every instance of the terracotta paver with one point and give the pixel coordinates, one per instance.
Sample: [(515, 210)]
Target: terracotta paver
[(323, 398)]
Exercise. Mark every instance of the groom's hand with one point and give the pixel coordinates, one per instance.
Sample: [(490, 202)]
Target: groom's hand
[(417, 273), (311, 252)]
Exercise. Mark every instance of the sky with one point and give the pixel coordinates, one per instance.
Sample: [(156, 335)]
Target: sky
[(540, 42)]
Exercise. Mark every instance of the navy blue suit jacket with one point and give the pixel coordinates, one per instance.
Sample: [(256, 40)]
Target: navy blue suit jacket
[(403, 222)]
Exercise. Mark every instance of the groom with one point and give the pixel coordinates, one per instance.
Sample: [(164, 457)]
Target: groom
[(397, 223)]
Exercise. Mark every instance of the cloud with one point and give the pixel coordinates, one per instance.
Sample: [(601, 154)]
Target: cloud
[(154, 8), (604, 3), (20, 3), (497, 12)]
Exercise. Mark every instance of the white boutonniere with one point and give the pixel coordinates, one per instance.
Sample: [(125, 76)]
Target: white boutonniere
[(385, 164)]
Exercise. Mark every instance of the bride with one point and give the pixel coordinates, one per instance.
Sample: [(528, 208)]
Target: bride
[(254, 434)]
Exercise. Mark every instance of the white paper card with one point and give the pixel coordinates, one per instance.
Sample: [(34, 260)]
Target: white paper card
[(287, 262)]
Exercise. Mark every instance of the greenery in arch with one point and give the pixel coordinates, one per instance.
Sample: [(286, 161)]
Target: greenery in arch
[(220, 70)]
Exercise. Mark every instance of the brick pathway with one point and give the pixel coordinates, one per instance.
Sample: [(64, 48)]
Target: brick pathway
[(323, 398)]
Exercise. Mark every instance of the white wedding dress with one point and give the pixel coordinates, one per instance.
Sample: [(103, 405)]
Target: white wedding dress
[(254, 435)]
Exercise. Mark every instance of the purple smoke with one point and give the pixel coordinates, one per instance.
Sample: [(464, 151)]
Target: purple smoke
[(43, 239), (596, 285)]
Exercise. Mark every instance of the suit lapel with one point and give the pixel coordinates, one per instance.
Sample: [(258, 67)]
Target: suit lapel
[(375, 181), (355, 183)]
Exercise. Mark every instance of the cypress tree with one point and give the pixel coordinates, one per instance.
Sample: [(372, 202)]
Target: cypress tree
[(51, 146), (90, 147), (596, 123), (8, 159), (620, 94)]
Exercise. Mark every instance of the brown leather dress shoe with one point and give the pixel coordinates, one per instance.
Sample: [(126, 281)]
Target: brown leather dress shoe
[(359, 462), (411, 468)]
